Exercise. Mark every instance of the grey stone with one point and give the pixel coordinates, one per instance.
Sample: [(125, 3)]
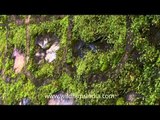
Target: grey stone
[(132, 96), (92, 47), (25, 101)]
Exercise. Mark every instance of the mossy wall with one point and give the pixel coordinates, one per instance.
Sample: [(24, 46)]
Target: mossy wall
[(131, 64)]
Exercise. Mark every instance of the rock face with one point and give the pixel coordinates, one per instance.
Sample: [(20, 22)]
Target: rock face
[(80, 47), (92, 47), (25, 101), (132, 96), (154, 36), (61, 99), (19, 61)]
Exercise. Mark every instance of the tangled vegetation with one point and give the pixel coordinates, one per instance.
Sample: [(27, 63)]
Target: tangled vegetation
[(108, 59)]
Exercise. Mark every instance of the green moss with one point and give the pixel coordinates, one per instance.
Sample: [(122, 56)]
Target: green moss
[(120, 101), (140, 74), (45, 70)]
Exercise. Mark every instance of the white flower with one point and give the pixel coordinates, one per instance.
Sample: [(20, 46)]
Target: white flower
[(51, 52), (50, 56)]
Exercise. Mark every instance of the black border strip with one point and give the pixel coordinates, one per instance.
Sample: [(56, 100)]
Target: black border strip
[(80, 7)]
